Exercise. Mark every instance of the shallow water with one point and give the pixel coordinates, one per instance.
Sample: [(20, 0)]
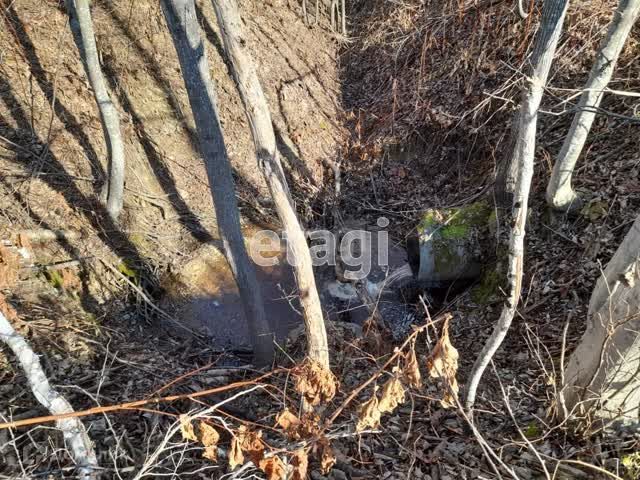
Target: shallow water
[(204, 297)]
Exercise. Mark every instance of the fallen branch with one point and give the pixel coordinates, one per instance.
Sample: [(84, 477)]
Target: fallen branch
[(44, 235), (153, 459), (135, 404), (72, 429)]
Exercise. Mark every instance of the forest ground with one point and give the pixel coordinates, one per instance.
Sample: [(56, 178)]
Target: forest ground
[(415, 107)]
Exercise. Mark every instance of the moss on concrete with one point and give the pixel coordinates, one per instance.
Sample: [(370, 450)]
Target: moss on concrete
[(446, 257), (457, 223), (453, 237), (430, 219), (488, 289)]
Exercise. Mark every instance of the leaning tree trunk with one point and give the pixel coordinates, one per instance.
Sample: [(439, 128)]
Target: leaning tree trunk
[(82, 28), (560, 193), (73, 431), (257, 111), (523, 156), (181, 19), (601, 379)]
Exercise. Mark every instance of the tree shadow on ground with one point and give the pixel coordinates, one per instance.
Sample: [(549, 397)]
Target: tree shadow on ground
[(90, 208), (162, 172), (17, 28), (285, 144)]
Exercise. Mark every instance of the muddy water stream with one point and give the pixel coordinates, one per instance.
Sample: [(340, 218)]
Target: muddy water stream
[(203, 295)]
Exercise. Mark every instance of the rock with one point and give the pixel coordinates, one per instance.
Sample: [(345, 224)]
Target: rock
[(450, 243)]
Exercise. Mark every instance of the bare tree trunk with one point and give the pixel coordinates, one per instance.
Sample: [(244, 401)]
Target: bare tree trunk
[(560, 193), (334, 9), (521, 11), (601, 379), (181, 19), (523, 156), (72, 429), (82, 28), (344, 17), (257, 111)]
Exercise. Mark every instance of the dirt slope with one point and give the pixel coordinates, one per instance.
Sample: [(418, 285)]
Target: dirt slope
[(166, 198), (53, 159)]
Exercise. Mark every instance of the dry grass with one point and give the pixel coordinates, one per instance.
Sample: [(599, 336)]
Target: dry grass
[(453, 68)]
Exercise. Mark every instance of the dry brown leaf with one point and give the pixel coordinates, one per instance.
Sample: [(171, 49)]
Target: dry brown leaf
[(314, 382), (450, 396), (297, 428), (326, 455), (369, 414), (443, 363), (309, 425), (70, 280), (9, 264), (209, 437), (300, 462), (210, 453), (24, 242), (186, 429), (392, 395), (411, 369), (273, 468), (251, 444), (289, 423), (235, 453)]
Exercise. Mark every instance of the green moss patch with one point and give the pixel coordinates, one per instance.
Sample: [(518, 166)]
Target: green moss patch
[(488, 290), (54, 277), (457, 223)]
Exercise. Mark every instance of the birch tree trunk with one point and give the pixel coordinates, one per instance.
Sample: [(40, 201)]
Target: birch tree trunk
[(82, 28), (553, 14), (601, 379), (181, 19), (259, 117), (560, 193), (73, 431)]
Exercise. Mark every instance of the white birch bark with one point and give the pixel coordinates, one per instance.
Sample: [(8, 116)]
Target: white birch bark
[(180, 16), (560, 192), (82, 28), (523, 159), (73, 430), (257, 110)]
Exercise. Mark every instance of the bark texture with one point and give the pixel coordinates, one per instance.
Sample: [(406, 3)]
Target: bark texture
[(553, 14), (82, 28), (560, 192), (181, 19), (259, 117), (601, 379), (73, 430)]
